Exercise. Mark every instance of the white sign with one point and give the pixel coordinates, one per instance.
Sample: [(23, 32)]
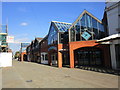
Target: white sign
[(10, 39), (0, 42)]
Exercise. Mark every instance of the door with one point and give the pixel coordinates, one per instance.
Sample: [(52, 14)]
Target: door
[(54, 59), (117, 50), (44, 58), (65, 58)]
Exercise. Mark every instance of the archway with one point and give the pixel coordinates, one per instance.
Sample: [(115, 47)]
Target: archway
[(88, 56)]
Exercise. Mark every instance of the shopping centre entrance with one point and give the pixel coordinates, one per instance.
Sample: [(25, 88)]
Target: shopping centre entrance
[(88, 56)]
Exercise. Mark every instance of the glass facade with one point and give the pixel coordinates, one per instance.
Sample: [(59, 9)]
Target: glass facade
[(53, 35), (88, 56), (58, 28), (3, 39), (89, 25), (3, 28)]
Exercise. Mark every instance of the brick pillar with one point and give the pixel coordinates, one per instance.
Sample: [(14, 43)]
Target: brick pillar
[(22, 57), (59, 59), (71, 58)]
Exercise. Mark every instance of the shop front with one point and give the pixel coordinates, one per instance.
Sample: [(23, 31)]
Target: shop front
[(88, 56)]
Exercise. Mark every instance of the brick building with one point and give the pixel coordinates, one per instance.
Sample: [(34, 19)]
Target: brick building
[(74, 44), (58, 43), (83, 48), (44, 50), (36, 50)]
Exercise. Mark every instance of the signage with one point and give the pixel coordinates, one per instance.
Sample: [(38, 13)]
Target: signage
[(86, 35), (10, 39), (0, 42)]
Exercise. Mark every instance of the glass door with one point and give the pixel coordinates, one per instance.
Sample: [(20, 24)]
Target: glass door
[(54, 59)]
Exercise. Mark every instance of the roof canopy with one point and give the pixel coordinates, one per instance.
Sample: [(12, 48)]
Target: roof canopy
[(62, 26)]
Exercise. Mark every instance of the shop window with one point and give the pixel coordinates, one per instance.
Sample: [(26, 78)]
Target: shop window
[(46, 57), (117, 49)]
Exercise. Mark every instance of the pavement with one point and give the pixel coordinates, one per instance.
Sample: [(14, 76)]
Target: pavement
[(33, 75)]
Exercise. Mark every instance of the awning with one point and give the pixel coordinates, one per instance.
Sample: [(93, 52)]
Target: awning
[(111, 37)]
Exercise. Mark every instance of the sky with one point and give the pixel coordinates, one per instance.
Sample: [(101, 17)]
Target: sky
[(27, 20)]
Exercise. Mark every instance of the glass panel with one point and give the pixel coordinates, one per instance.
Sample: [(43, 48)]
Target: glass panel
[(94, 23), (80, 58), (77, 28), (46, 57), (88, 21), (87, 24), (3, 29), (52, 38), (3, 39), (61, 37), (62, 27), (72, 34), (83, 21)]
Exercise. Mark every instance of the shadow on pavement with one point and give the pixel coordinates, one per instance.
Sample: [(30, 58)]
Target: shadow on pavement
[(100, 70)]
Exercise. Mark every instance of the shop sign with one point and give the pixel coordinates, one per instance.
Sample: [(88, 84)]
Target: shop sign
[(86, 35)]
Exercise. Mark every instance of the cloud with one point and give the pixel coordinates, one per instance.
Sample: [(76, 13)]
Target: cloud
[(24, 24)]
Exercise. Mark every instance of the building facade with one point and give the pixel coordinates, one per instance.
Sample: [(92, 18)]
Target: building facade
[(44, 50), (83, 49), (58, 43), (77, 44), (113, 20), (3, 35), (36, 50), (23, 55), (28, 52)]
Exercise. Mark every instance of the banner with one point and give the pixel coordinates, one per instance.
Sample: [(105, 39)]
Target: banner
[(10, 39)]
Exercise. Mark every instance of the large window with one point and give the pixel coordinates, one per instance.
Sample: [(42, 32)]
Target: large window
[(88, 56), (52, 38), (3, 39), (3, 28), (86, 28)]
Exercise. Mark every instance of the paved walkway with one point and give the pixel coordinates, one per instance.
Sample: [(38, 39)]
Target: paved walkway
[(32, 75)]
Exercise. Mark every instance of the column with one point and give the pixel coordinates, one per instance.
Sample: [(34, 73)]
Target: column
[(71, 58), (59, 59), (113, 56)]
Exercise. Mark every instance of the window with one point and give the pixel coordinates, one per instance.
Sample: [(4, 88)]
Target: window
[(94, 23), (46, 57), (86, 24), (77, 29), (52, 38), (72, 34), (3, 39), (61, 37)]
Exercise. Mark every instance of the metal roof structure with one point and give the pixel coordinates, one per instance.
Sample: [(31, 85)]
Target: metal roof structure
[(62, 26)]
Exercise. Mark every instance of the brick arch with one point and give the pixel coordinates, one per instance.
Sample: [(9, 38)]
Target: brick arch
[(76, 45)]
